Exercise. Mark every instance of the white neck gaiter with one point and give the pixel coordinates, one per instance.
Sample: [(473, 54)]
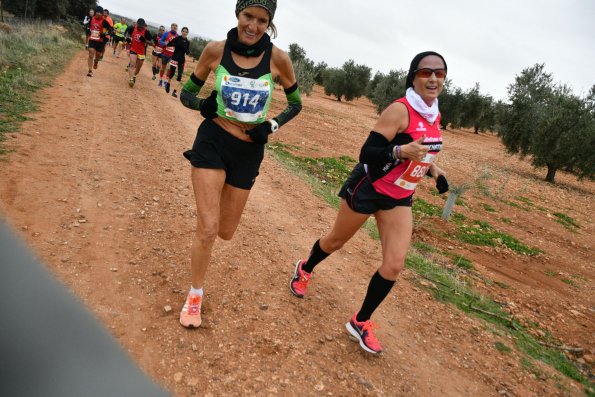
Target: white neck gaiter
[(430, 113)]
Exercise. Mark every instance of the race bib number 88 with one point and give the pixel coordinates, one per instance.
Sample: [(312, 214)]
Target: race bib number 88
[(244, 99), (414, 172)]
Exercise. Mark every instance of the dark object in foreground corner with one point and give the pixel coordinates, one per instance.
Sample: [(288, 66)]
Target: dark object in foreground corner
[(50, 345)]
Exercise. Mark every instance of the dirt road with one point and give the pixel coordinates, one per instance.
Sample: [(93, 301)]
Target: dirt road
[(98, 187)]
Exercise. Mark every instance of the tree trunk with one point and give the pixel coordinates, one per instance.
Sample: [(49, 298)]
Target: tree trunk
[(450, 203), (476, 129), (551, 174)]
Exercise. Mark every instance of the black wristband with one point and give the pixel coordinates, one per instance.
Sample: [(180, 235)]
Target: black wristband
[(196, 80)]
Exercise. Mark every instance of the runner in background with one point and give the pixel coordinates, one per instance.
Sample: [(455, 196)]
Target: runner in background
[(167, 50), (98, 28), (86, 24), (157, 50), (119, 36), (128, 41), (139, 36), (108, 34), (178, 59)]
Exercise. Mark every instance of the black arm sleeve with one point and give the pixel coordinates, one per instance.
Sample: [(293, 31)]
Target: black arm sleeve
[(376, 150), (107, 26)]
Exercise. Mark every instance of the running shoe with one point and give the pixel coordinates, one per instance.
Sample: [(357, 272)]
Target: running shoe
[(153, 78), (300, 279), (127, 66), (134, 78), (190, 314), (166, 84), (160, 83), (363, 332), (131, 83), (174, 94), (90, 74)]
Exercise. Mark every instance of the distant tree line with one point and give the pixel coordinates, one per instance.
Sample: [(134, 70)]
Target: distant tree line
[(48, 9), (541, 120)]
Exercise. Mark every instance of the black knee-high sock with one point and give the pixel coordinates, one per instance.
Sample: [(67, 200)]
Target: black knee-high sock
[(317, 255), (378, 289)]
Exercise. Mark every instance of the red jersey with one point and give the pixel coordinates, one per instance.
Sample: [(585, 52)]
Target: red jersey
[(158, 47), (138, 46), (400, 181), (168, 51), (97, 29)]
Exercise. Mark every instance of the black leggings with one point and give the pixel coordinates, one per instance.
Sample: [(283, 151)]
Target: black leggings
[(172, 71)]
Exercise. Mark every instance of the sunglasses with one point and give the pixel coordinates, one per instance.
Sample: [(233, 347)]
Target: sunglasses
[(427, 72)]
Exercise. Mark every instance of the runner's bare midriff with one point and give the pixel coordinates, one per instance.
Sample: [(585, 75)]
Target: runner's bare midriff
[(235, 128)]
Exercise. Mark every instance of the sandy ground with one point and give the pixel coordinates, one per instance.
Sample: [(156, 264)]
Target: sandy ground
[(97, 186)]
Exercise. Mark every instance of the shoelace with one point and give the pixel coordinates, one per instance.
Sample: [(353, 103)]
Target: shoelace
[(304, 278), (193, 304), (368, 327)]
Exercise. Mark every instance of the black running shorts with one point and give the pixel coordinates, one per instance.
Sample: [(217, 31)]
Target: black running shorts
[(361, 196), (216, 148), (98, 46)]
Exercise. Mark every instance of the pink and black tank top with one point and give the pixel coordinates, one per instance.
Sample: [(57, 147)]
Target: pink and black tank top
[(399, 179)]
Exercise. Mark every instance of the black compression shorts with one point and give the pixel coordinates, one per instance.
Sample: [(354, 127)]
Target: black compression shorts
[(216, 148), (98, 46), (361, 196)]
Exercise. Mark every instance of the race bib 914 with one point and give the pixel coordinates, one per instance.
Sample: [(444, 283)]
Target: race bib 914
[(244, 99)]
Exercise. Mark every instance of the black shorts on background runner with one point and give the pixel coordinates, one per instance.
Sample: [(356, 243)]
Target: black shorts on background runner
[(99, 46)]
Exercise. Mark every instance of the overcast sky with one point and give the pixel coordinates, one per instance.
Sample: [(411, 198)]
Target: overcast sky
[(485, 42)]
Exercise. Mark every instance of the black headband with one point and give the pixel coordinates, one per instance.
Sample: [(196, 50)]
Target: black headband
[(269, 5)]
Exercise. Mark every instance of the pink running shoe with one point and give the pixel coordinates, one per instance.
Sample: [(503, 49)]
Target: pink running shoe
[(190, 314), (363, 332), (300, 279)]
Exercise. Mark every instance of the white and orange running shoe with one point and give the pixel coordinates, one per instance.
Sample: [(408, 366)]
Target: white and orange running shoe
[(190, 314)]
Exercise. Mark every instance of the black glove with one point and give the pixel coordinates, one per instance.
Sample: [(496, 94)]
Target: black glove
[(441, 184), (260, 133), (208, 106)]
